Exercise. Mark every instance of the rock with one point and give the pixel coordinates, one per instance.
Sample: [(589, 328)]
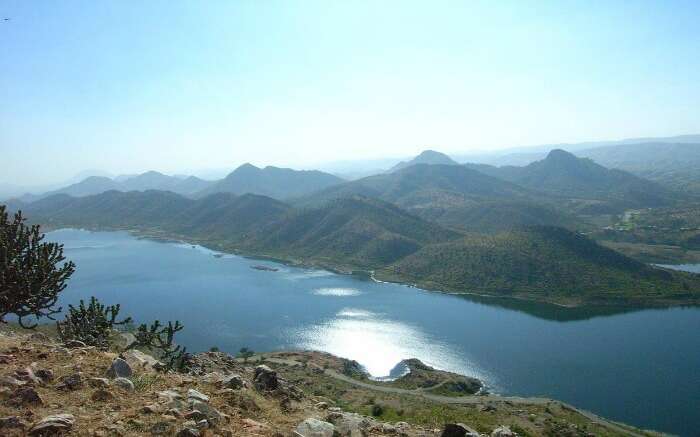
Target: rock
[(314, 428), (193, 394), (503, 431), (195, 415), (45, 375), (254, 426), (487, 408), (162, 428), (124, 384), (458, 430), (202, 424), (139, 359), (98, 382), (188, 432), (6, 359), (25, 396), (11, 423), (169, 395), (233, 381), (150, 409), (174, 412), (10, 381), (388, 428), (72, 344), (212, 414), (57, 424), (265, 378), (102, 395), (119, 369), (322, 405), (71, 382), (349, 424)]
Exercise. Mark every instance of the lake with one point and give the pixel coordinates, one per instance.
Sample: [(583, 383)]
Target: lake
[(641, 367)]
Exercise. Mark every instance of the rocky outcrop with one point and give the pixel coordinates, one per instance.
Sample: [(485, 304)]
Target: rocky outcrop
[(315, 428)]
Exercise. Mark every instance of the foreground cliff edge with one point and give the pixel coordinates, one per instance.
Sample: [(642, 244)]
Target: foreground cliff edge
[(48, 388)]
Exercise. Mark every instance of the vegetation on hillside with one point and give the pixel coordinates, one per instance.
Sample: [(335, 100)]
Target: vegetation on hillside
[(544, 263)]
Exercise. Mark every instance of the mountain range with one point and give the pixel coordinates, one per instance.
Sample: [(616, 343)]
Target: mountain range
[(356, 232)]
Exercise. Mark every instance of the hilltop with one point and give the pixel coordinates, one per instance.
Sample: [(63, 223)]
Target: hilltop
[(425, 157), (589, 186), (49, 388)]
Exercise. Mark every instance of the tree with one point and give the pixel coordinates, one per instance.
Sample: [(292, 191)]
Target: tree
[(30, 275), (245, 353)]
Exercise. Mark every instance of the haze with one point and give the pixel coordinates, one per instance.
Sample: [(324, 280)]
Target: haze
[(182, 87)]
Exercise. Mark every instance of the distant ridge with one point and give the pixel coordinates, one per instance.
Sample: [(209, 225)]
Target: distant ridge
[(563, 174), (275, 182)]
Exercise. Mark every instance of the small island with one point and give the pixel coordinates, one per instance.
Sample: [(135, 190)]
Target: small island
[(264, 268)]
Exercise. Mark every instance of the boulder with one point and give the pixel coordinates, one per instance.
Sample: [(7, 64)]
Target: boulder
[(233, 381), (57, 424), (212, 414), (101, 395), (98, 382), (265, 378), (315, 428), (138, 359), (119, 369), (70, 382), (124, 384), (503, 431), (25, 396), (193, 394), (458, 430), (350, 424), (10, 381)]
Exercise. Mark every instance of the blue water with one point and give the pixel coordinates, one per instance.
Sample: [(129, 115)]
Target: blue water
[(637, 366)]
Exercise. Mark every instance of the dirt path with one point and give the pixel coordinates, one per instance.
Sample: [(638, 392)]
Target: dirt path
[(465, 400)]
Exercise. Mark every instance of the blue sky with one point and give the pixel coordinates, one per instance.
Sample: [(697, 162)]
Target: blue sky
[(176, 86)]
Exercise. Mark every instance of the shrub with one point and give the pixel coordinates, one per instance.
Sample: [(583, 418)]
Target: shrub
[(30, 275), (159, 338), (91, 324)]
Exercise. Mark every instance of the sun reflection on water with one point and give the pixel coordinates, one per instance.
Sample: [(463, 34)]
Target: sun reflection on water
[(379, 344)]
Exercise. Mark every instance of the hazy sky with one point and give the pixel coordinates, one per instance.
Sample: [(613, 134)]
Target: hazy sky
[(173, 86)]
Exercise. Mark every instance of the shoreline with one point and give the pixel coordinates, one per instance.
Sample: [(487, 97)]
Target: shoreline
[(160, 235)]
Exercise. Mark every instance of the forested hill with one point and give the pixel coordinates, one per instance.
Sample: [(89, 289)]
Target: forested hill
[(355, 232), (563, 174)]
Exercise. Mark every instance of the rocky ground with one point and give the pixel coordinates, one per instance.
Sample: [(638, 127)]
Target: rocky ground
[(47, 388)]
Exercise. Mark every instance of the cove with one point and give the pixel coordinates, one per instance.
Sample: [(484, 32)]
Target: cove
[(637, 366)]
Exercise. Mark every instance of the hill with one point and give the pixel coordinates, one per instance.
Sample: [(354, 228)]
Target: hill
[(543, 263), (151, 180), (564, 175), (452, 195), (426, 157), (675, 165), (279, 183), (359, 233), (220, 217), (353, 232)]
